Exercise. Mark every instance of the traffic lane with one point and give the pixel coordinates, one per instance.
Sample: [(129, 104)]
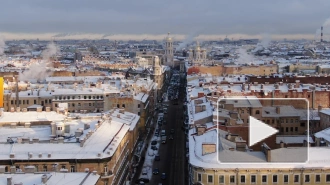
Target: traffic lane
[(164, 151), (180, 149)]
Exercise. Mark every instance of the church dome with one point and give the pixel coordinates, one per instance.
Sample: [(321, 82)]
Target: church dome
[(168, 38)]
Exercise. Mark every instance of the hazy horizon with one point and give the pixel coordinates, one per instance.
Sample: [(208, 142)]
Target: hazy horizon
[(211, 19)]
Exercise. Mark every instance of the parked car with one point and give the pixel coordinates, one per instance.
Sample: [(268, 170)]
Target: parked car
[(163, 176), (153, 142), (157, 158), (145, 180), (154, 147)]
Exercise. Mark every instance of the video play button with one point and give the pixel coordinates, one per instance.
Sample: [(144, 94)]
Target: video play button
[(259, 131)]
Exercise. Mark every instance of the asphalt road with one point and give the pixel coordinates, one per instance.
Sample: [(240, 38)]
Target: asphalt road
[(172, 154)]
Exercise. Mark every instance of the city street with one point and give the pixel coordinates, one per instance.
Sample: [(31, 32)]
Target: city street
[(172, 154)]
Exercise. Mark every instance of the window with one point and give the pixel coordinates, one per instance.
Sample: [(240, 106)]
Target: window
[(72, 104), (12, 102), (50, 101), (296, 129), (105, 182), (291, 120), (72, 169), (302, 124), (273, 121), (309, 96), (36, 167), (55, 104), (287, 129), (264, 178), (317, 178), (89, 97), (327, 178), (297, 120), (46, 101), (138, 105), (79, 104), (307, 178), (123, 105), (139, 113), (35, 101), (221, 179), (45, 168), (291, 129), (73, 97), (242, 178), (199, 177), (286, 96), (27, 102), (85, 97), (257, 112), (105, 169), (286, 178), (118, 105), (253, 179), (63, 167), (90, 104), (296, 178), (210, 178), (232, 179), (242, 112), (59, 128), (275, 178)]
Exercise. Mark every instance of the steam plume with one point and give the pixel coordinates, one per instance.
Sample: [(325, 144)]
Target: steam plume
[(106, 35), (265, 41), (38, 70), (244, 57), (187, 40)]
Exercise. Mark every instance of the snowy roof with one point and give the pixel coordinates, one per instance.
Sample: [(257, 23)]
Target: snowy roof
[(141, 97), (102, 143), (293, 139), (325, 134), (318, 156), (30, 116), (243, 101), (325, 111), (34, 106), (53, 178), (74, 78), (285, 111)]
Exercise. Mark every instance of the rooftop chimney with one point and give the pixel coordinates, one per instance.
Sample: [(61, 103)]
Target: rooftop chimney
[(321, 33), (44, 179), (9, 180)]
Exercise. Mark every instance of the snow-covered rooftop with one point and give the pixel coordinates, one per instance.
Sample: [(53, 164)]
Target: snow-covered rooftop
[(102, 142), (318, 156), (30, 116), (53, 178)]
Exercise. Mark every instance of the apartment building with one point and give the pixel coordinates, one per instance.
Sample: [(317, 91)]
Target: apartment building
[(38, 141), (205, 167)]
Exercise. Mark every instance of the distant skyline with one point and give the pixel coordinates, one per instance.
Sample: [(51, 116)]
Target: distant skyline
[(120, 19)]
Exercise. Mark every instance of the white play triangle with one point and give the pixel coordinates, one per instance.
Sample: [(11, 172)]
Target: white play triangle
[(259, 131)]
